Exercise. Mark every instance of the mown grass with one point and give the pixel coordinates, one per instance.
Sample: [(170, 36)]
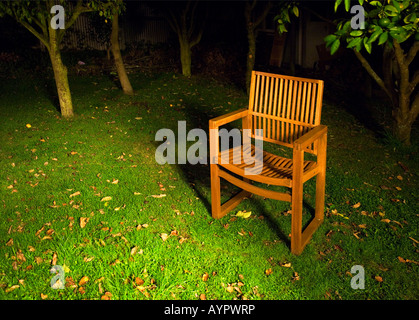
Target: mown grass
[(55, 174)]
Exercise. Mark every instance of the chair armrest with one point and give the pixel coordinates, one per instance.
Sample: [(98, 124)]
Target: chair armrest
[(308, 138), (229, 117)]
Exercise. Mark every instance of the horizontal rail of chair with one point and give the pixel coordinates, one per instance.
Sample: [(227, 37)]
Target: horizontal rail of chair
[(271, 75), (255, 190)]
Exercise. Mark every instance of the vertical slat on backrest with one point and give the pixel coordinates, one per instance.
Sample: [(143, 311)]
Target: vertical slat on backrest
[(274, 129)]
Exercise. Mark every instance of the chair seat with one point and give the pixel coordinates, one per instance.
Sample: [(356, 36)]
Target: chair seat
[(276, 170)]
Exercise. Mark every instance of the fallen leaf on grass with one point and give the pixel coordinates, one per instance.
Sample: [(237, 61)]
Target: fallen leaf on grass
[(378, 278), (164, 236), (268, 271), (83, 280), (286, 264), (12, 288), (202, 296), (356, 205), (75, 194), (182, 239), (414, 240), (407, 261), (106, 296), (54, 259), (106, 198), (205, 276), (244, 214), (83, 222), (158, 195), (136, 250)]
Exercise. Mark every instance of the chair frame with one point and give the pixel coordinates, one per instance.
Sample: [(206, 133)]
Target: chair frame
[(309, 137)]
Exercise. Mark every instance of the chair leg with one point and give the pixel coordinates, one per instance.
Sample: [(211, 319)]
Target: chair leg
[(320, 193), (215, 192), (297, 219)]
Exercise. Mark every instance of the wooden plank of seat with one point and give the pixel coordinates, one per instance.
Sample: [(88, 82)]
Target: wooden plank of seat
[(276, 170)]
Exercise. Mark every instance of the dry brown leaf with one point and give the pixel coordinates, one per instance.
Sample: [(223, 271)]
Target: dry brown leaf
[(83, 222), (83, 280), (164, 236), (205, 276), (39, 231), (401, 260), (108, 198), (386, 220), (20, 256), (378, 278), (286, 264), (158, 195), (139, 281), (397, 222), (106, 296), (356, 205), (10, 242), (268, 271), (230, 288), (12, 288), (134, 250), (295, 276), (77, 193), (414, 240), (54, 259), (202, 296), (399, 177), (44, 296)]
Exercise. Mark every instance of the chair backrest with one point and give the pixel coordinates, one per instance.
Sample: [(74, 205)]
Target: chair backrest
[(284, 107)]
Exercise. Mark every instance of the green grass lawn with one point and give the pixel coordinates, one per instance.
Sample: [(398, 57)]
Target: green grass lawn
[(87, 194)]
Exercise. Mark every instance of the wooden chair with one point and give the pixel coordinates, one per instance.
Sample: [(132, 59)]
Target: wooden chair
[(288, 109)]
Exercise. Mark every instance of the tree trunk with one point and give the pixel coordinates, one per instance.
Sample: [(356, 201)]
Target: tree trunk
[(251, 55), (119, 63), (60, 75), (252, 22), (405, 110), (403, 120), (185, 56)]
